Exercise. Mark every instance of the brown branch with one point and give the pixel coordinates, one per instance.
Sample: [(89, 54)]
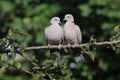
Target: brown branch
[(65, 46), (28, 72)]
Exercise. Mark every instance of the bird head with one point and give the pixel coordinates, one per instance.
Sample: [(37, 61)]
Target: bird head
[(55, 20), (69, 18)]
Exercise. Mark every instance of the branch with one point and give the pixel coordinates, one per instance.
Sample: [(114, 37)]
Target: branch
[(28, 72), (72, 46)]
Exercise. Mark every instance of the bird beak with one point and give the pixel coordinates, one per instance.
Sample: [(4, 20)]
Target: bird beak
[(64, 20), (60, 23)]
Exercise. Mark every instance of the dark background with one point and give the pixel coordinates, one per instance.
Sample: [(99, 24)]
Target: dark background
[(95, 17)]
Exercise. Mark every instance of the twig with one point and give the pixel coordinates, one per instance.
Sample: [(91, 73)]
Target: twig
[(78, 46), (28, 72), (27, 59)]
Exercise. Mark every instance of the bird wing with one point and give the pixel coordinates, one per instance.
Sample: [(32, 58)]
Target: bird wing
[(78, 32)]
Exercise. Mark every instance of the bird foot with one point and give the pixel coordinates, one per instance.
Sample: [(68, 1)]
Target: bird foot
[(68, 45), (59, 46), (76, 44), (49, 45)]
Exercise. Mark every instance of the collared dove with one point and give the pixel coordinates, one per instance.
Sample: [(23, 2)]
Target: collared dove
[(54, 33), (73, 36)]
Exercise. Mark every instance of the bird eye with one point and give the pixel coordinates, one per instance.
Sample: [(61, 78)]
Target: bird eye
[(55, 19), (68, 16)]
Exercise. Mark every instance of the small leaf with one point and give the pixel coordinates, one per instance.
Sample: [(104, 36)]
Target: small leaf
[(84, 73), (4, 57), (0, 57), (55, 64), (66, 51), (36, 68), (85, 10), (91, 55), (11, 62), (42, 74), (87, 47), (6, 6), (117, 29), (94, 48), (36, 77), (18, 65), (47, 62)]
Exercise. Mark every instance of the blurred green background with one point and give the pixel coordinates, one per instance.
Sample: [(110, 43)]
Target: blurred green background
[(27, 20)]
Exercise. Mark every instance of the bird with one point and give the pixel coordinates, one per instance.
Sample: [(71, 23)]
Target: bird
[(54, 34), (73, 36)]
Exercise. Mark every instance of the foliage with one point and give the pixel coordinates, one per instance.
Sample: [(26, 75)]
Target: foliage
[(22, 24)]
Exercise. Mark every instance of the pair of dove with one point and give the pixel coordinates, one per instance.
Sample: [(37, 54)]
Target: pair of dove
[(55, 34)]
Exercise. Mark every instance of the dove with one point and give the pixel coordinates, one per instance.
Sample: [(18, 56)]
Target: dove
[(73, 36), (54, 33)]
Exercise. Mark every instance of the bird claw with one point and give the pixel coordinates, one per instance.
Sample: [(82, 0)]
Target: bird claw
[(76, 44), (59, 46), (68, 45), (49, 45)]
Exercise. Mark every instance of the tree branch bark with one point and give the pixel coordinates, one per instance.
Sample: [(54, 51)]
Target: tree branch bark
[(72, 46)]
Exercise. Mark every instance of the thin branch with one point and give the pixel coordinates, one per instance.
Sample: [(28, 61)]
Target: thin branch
[(28, 72), (65, 46)]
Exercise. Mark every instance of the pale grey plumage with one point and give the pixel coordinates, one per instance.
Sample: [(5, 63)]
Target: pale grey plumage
[(72, 33), (54, 32)]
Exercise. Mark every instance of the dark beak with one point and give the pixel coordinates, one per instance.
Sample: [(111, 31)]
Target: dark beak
[(60, 23), (64, 20)]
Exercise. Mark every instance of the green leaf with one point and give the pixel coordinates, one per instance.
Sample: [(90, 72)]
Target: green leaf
[(0, 57), (47, 61), (42, 74), (90, 54), (4, 57), (84, 73), (36, 10), (117, 29), (6, 6), (18, 65), (85, 10), (104, 66), (98, 2), (36, 77), (17, 24)]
